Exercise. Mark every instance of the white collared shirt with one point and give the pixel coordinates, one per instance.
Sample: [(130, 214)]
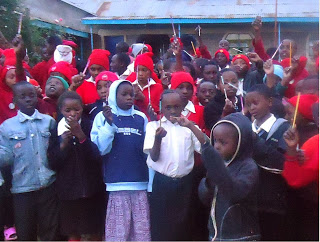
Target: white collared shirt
[(188, 108), (266, 126), (240, 87), (176, 157), (91, 80), (151, 82)]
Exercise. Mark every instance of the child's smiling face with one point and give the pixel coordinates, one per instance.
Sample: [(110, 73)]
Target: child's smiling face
[(226, 145)]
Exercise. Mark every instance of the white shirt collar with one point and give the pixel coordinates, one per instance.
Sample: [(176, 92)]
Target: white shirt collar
[(188, 108), (151, 82), (266, 126), (91, 80)]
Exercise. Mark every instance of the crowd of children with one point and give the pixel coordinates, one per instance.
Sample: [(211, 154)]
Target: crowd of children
[(193, 147)]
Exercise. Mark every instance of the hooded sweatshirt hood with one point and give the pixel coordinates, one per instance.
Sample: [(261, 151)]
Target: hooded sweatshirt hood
[(112, 100), (244, 129)]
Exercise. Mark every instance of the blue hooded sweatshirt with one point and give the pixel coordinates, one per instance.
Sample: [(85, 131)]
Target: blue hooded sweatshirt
[(121, 144)]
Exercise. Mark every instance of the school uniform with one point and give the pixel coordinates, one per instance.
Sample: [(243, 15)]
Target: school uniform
[(269, 149), (79, 183), (155, 95), (24, 143), (172, 183)]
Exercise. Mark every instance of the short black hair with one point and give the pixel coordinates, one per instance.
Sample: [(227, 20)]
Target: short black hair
[(168, 91), (21, 84), (186, 41), (225, 70), (208, 63), (68, 95), (200, 62), (191, 67), (122, 47), (167, 63), (123, 58), (54, 40), (262, 89)]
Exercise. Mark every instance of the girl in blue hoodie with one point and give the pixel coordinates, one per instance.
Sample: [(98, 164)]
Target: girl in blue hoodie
[(119, 132)]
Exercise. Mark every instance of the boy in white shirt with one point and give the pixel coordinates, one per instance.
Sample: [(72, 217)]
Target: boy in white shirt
[(170, 144)]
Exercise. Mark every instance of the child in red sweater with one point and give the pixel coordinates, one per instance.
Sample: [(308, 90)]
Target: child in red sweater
[(98, 62), (147, 91)]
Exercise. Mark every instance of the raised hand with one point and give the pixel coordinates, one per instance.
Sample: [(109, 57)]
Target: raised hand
[(268, 67), (107, 114), (66, 137), (160, 133), (228, 108), (257, 24), (182, 121), (254, 57), (138, 95), (75, 128), (152, 114), (77, 80), (291, 137)]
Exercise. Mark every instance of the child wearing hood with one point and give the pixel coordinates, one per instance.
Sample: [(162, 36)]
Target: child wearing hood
[(230, 187), (119, 131)]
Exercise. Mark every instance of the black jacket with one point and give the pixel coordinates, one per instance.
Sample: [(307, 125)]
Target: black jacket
[(254, 76), (213, 110), (231, 189), (78, 167), (268, 152)]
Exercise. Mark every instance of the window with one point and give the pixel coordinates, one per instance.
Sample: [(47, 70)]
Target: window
[(238, 42)]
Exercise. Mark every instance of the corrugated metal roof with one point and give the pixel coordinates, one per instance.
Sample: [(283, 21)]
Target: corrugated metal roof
[(197, 9)]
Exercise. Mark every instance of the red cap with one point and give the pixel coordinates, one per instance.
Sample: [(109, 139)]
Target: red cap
[(149, 47), (144, 60), (33, 82), (223, 51), (305, 104), (106, 76), (4, 71), (99, 57), (180, 77), (65, 69), (1, 52), (10, 55), (70, 43), (243, 57)]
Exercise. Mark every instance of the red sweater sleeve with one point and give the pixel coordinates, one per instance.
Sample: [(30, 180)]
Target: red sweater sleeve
[(298, 175), (203, 52), (259, 49)]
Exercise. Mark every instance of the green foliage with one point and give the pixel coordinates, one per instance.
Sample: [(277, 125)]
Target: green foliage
[(8, 19)]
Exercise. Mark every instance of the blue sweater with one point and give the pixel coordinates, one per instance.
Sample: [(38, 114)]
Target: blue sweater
[(121, 144)]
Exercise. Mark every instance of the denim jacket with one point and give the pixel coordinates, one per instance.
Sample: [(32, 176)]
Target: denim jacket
[(24, 143)]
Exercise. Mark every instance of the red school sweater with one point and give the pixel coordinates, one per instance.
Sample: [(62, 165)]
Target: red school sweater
[(298, 175), (155, 94)]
